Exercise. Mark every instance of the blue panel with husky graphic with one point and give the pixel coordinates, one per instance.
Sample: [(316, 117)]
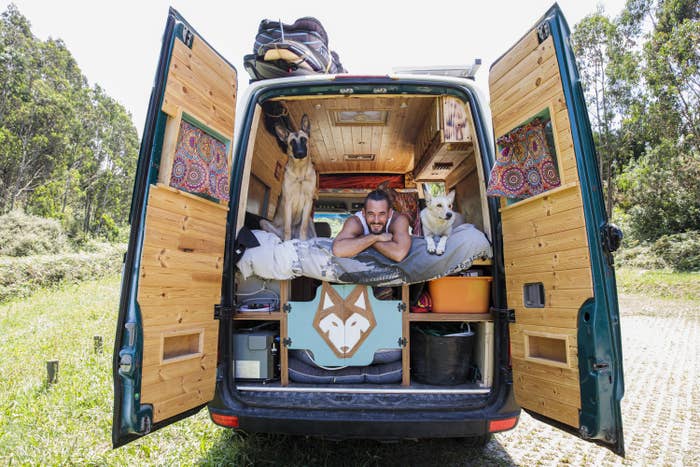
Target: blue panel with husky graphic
[(344, 325)]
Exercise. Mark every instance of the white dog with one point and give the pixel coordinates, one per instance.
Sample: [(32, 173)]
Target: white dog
[(293, 216), (437, 218)]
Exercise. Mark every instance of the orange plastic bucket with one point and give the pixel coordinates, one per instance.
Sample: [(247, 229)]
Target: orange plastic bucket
[(460, 294)]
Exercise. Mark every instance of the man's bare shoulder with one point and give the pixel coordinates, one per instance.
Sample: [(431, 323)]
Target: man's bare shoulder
[(399, 223), (352, 227)]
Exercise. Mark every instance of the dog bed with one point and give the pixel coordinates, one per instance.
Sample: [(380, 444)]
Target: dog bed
[(275, 259), (384, 373), (381, 356)]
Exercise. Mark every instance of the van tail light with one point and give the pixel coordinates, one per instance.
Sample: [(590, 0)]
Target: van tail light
[(502, 424), (230, 421)]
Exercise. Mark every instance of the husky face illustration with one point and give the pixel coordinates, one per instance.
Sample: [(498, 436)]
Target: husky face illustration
[(344, 323)]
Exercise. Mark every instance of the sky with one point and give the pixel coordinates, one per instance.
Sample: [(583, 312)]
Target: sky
[(116, 44)]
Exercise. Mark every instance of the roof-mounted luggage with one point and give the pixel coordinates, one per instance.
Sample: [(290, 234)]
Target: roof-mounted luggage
[(294, 49)]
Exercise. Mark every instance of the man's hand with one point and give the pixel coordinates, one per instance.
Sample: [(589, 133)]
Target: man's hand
[(398, 244), (384, 237)]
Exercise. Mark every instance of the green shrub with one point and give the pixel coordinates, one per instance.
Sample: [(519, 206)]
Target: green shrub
[(25, 235), (680, 251), (19, 277), (640, 256), (661, 191)]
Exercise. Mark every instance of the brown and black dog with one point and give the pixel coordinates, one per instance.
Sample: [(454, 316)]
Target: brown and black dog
[(293, 216)]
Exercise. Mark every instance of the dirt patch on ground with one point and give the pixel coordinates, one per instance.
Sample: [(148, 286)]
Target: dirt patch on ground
[(661, 407)]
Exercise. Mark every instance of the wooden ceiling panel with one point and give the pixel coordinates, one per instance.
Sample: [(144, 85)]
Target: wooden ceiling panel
[(392, 144)]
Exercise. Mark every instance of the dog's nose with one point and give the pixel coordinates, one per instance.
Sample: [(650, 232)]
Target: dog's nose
[(448, 215)]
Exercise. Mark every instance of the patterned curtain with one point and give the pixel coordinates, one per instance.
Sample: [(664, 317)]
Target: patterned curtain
[(200, 164), (524, 163)]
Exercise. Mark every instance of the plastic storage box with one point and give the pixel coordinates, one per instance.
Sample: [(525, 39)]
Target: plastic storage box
[(460, 294)]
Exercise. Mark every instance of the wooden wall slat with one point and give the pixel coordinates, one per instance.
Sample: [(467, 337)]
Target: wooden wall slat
[(561, 376), (533, 59), (181, 313), (215, 63), (203, 85), (524, 47), (564, 394), (552, 243), (546, 204), (186, 240), (187, 68), (547, 406), (178, 259), (558, 317), (201, 280), (194, 394), (158, 297), (173, 373), (561, 260), (554, 298), (553, 280), (189, 206), (517, 86), (557, 222), (543, 96)]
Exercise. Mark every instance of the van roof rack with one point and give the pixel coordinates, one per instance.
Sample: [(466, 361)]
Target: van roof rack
[(460, 71)]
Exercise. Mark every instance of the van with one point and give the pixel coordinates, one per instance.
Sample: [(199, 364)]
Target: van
[(194, 330)]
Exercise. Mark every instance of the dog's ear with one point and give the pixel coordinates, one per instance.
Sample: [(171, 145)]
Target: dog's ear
[(451, 196), (282, 132), (383, 186), (306, 125)]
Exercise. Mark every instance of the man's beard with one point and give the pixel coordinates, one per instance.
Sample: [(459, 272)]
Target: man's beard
[(381, 228)]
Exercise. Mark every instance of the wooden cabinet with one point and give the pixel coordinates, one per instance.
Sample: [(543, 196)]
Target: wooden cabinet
[(444, 144), (484, 354)]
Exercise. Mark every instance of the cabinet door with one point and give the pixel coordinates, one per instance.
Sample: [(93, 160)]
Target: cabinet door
[(344, 325)]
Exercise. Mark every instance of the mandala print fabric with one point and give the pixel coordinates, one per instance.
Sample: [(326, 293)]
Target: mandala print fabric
[(524, 166), (200, 164)]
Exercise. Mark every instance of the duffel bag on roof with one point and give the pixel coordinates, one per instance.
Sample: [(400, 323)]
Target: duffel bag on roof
[(291, 49)]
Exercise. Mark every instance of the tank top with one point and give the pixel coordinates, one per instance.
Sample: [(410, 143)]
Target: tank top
[(360, 215)]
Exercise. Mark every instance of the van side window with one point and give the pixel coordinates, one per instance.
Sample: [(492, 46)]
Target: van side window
[(258, 197)]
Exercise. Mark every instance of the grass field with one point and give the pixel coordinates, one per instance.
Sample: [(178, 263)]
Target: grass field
[(662, 284), (70, 422)]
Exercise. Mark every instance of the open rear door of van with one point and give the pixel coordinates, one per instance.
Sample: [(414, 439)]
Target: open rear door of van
[(557, 243), (165, 352)]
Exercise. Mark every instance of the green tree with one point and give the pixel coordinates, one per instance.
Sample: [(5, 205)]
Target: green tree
[(640, 74), (67, 150)]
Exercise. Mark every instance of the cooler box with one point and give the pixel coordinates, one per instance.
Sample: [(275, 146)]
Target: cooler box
[(254, 354), (454, 294)]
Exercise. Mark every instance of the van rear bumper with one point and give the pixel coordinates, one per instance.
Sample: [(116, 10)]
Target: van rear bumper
[(381, 425)]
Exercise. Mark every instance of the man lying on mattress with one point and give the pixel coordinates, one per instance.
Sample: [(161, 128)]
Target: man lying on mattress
[(373, 248), (375, 226)]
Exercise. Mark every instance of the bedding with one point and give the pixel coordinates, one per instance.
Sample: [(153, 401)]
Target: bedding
[(275, 259)]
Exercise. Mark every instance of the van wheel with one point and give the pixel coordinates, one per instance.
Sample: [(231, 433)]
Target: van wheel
[(477, 442)]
